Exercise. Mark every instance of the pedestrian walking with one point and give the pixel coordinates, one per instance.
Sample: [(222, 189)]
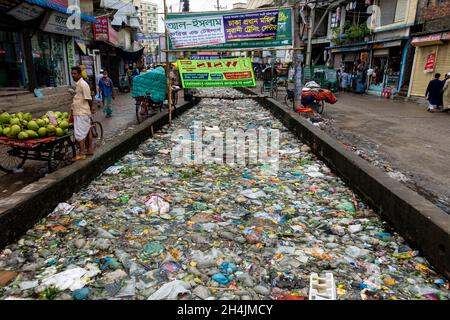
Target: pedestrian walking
[(81, 111), (106, 90), (345, 77), (433, 93), (446, 94)]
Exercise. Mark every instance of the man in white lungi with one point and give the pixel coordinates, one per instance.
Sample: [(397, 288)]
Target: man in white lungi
[(81, 111)]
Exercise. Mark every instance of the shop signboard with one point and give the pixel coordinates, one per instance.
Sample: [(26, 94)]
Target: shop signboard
[(103, 31), (146, 37), (5, 5), (445, 36), (26, 12), (430, 63), (70, 53), (62, 3), (86, 31), (88, 64), (390, 44), (224, 73), (203, 57), (231, 30), (249, 26), (56, 22), (427, 40)]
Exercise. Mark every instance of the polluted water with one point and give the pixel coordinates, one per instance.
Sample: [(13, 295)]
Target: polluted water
[(151, 227)]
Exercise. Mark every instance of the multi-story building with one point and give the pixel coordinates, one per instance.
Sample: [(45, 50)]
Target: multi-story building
[(373, 34), (148, 14), (240, 5)]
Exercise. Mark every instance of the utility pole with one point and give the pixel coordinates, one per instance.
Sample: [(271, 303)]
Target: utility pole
[(312, 17), (168, 80), (218, 7), (297, 57)]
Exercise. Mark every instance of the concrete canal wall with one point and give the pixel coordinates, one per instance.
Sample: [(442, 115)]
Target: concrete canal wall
[(23, 209)]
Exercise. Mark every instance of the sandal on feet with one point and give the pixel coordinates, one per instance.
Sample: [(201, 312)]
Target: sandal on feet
[(89, 154), (79, 157)]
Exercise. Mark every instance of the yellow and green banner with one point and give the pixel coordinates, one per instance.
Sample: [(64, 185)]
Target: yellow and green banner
[(223, 73)]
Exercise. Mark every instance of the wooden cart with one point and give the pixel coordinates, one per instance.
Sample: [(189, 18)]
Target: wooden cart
[(56, 151)]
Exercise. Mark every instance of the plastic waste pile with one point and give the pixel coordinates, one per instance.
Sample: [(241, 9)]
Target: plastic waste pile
[(149, 228)]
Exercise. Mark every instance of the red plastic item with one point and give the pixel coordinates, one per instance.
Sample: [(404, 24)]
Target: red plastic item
[(304, 110), (30, 143)]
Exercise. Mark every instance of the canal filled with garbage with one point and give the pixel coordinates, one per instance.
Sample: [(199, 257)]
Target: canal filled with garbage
[(152, 227)]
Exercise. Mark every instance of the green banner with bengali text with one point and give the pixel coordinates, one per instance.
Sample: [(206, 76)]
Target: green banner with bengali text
[(223, 73)]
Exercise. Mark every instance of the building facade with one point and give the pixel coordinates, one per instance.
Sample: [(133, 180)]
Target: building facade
[(37, 48), (148, 14), (431, 42), (373, 35)]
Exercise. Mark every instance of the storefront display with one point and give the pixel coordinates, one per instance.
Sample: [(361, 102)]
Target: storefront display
[(432, 55), (12, 68), (49, 59)]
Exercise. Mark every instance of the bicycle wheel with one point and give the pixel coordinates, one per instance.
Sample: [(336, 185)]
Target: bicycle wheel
[(321, 107), (97, 134), (141, 112)]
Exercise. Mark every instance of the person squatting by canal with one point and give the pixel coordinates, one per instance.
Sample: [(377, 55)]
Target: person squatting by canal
[(81, 111)]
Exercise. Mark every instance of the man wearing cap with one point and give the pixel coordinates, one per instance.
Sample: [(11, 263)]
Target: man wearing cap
[(446, 94)]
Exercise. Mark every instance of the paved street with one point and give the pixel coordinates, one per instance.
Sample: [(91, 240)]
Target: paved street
[(154, 228), (401, 138), (124, 118)]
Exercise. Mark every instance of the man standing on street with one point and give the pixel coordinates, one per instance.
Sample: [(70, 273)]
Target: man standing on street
[(106, 91), (434, 94), (446, 94), (81, 111)]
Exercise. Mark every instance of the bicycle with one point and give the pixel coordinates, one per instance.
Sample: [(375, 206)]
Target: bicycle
[(97, 133), (290, 96), (317, 105)]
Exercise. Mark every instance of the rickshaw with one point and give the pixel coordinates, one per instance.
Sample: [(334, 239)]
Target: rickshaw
[(270, 82), (326, 77), (149, 91)]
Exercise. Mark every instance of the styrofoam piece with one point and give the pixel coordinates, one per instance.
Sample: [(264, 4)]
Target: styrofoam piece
[(322, 287)]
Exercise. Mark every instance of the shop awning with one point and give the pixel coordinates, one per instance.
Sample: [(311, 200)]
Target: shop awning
[(351, 49), (58, 7), (131, 55), (348, 47), (429, 40)]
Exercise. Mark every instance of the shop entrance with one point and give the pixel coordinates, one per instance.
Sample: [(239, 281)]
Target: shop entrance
[(12, 73), (49, 59)]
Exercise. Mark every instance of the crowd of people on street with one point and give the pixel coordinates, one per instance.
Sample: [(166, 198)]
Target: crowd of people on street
[(438, 93)]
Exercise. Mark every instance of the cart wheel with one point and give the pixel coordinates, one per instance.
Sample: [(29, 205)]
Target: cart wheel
[(97, 134), (141, 112), (9, 162), (61, 154)]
